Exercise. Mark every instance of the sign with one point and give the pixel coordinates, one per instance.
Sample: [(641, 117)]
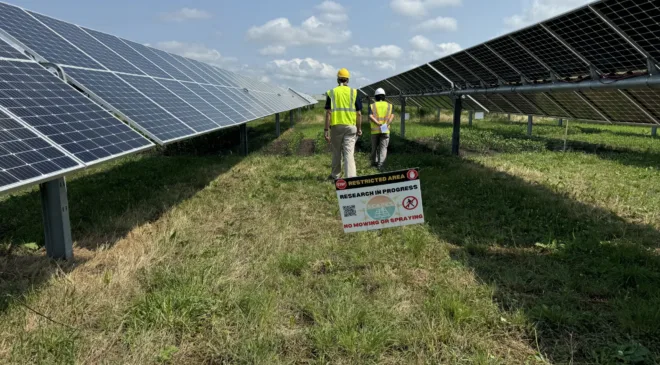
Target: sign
[(387, 200), (407, 116), (479, 115)]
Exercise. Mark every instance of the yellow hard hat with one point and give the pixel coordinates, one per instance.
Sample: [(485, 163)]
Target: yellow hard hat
[(344, 74)]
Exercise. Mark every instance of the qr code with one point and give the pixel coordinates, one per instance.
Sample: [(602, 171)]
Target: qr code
[(349, 211)]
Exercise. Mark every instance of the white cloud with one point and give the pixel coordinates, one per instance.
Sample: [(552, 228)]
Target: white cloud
[(424, 49), (273, 51), (195, 51), (331, 7), (185, 14), (312, 31), (299, 69), (439, 24), (388, 65), (387, 52), (420, 8), (539, 10)]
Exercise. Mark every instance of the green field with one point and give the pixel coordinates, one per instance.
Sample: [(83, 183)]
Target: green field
[(194, 254)]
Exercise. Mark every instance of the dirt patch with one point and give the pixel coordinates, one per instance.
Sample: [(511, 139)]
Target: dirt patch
[(278, 147), (307, 147)]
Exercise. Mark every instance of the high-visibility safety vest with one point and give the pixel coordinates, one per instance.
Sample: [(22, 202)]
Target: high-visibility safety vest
[(342, 101), (381, 110)]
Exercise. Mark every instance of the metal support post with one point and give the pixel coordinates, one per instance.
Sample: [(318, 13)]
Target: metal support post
[(291, 117), (244, 139), (561, 122), (403, 117), (277, 125), (57, 227), (456, 135), (654, 132), (470, 114), (508, 117), (438, 117), (530, 125)]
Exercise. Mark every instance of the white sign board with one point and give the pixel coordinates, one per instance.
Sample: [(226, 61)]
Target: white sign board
[(387, 200), (479, 115), (407, 116)]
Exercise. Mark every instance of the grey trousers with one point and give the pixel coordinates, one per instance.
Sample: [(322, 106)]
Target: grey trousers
[(342, 140), (379, 143)]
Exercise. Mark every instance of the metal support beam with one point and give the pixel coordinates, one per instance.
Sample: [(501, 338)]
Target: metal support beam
[(291, 118), (57, 227), (508, 117), (654, 131), (530, 125), (438, 116), (403, 118), (456, 135), (470, 113), (277, 125), (244, 139), (560, 122)]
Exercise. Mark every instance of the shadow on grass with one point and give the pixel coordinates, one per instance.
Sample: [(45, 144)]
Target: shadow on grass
[(107, 203), (587, 281)]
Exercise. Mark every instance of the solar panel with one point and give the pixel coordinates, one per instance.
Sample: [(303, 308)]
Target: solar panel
[(504, 104), (171, 102), (127, 53), (219, 93), (617, 106), (148, 53), (485, 101), (573, 103), (554, 54), (510, 51), (64, 115), (448, 73), (27, 158), (181, 72), (637, 19), (495, 63), (522, 104), (596, 41), (146, 115), (648, 98), (190, 70), (196, 102), (220, 104), (27, 30), (88, 44), (249, 106), (477, 70), (7, 51), (547, 105)]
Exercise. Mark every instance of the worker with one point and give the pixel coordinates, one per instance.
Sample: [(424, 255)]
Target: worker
[(380, 115), (343, 125)]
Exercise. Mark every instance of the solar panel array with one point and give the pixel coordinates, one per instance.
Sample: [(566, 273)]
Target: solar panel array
[(601, 43), (48, 128)]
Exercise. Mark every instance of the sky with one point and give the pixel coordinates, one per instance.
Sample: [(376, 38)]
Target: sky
[(302, 44)]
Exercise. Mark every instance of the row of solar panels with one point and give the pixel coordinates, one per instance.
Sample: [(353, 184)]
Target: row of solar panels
[(49, 128), (604, 41)]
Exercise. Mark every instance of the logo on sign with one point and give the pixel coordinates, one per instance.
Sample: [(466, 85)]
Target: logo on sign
[(412, 175), (381, 207), (410, 203), (341, 184)]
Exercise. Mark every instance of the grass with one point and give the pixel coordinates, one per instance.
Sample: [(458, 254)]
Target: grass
[(196, 255)]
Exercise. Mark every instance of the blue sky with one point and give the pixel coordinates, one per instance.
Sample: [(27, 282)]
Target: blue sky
[(301, 44)]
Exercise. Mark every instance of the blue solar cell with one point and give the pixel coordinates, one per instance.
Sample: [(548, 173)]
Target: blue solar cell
[(218, 92), (172, 103), (8, 51), (64, 115), (219, 103), (147, 115), (257, 107), (127, 53), (200, 69), (180, 64), (152, 55), (211, 71), (37, 37), (26, 157), (88, 44), (196, 101)]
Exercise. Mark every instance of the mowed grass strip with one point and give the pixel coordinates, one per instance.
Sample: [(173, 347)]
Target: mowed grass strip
[(528, 256)]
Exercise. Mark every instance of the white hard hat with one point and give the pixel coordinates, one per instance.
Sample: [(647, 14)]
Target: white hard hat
[(379, 91)]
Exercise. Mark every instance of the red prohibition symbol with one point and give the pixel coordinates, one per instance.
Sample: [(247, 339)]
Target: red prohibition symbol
[(412, 175), (410, 203)]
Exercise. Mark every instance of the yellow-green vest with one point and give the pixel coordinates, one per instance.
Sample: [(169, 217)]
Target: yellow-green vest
[(342, 105), (381, 110)]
